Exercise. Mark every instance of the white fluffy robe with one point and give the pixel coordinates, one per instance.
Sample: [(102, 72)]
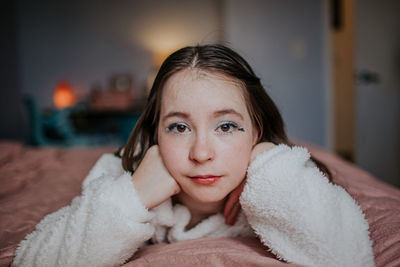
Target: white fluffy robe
[(287, 203)]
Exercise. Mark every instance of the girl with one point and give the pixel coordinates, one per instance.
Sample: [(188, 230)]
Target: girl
[(209, 157)]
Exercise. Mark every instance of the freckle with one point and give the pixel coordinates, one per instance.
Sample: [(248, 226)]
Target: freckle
[(241, 129)]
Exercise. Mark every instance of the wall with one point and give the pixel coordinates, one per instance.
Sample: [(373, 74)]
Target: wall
[(85, 42), (11, 109), (283, 40)]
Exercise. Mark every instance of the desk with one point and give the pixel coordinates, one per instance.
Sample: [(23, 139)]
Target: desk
[(79, 125), (109, 122)]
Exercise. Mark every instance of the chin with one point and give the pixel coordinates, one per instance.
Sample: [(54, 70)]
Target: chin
[(208, 197)]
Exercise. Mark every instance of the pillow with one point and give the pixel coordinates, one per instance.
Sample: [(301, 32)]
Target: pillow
[(237, 251)]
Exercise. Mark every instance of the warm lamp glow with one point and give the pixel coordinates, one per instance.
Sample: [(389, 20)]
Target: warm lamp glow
[(158, 59), (64, 96)]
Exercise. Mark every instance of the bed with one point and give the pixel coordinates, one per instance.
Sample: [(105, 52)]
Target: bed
[(38, 181)]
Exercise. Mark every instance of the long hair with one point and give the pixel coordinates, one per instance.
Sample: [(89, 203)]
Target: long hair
[(220, 59)]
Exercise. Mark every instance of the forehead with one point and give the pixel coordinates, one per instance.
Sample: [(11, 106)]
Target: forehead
[(193, 88)]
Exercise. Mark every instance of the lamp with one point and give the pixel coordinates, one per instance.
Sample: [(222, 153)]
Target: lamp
[(63, 95)]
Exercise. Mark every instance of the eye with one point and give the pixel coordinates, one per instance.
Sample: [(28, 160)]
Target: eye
[(178, 128), (226, 127)]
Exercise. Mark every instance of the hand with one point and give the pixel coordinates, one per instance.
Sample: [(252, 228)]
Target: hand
[(232, 204), (152, 180)]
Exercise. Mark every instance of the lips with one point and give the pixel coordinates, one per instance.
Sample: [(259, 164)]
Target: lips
[(205, 179)]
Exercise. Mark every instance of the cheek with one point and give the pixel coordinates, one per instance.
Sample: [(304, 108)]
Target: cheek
[(171, 152), (237, 156)]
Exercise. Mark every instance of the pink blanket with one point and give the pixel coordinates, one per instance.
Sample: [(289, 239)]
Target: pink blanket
[(35, 182)]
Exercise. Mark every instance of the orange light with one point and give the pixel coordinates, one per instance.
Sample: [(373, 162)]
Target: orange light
[(64, 96), (159, 57)]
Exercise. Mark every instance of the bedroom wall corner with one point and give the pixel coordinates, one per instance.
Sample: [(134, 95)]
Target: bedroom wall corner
[(12, 123)]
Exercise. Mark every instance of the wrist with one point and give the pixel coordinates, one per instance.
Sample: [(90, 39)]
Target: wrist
[(139, 188)]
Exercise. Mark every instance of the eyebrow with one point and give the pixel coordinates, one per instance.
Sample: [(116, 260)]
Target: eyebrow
[(227, 111), (215, 114), (176, 114)]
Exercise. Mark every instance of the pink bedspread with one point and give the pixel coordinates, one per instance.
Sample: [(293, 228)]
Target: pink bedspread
[(35, 182)]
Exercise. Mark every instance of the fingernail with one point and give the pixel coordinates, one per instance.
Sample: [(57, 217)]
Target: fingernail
[(227, 210)]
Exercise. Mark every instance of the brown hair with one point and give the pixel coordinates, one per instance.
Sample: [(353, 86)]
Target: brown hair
[(211, 58)]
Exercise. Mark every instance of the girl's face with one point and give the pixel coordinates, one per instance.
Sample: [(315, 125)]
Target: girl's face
[(205, 134)]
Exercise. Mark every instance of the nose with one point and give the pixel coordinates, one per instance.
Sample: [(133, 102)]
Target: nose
[(201, 150)]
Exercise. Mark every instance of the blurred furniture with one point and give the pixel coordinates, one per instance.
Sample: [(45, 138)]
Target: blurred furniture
[(111, 100), (120, 95), (113, 122), (78, 125)]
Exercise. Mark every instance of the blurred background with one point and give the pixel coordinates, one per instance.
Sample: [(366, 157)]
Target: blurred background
[(78, 72)]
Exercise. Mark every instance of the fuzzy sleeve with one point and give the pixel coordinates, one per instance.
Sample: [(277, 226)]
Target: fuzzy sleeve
[(300, 215), (102, 227)]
